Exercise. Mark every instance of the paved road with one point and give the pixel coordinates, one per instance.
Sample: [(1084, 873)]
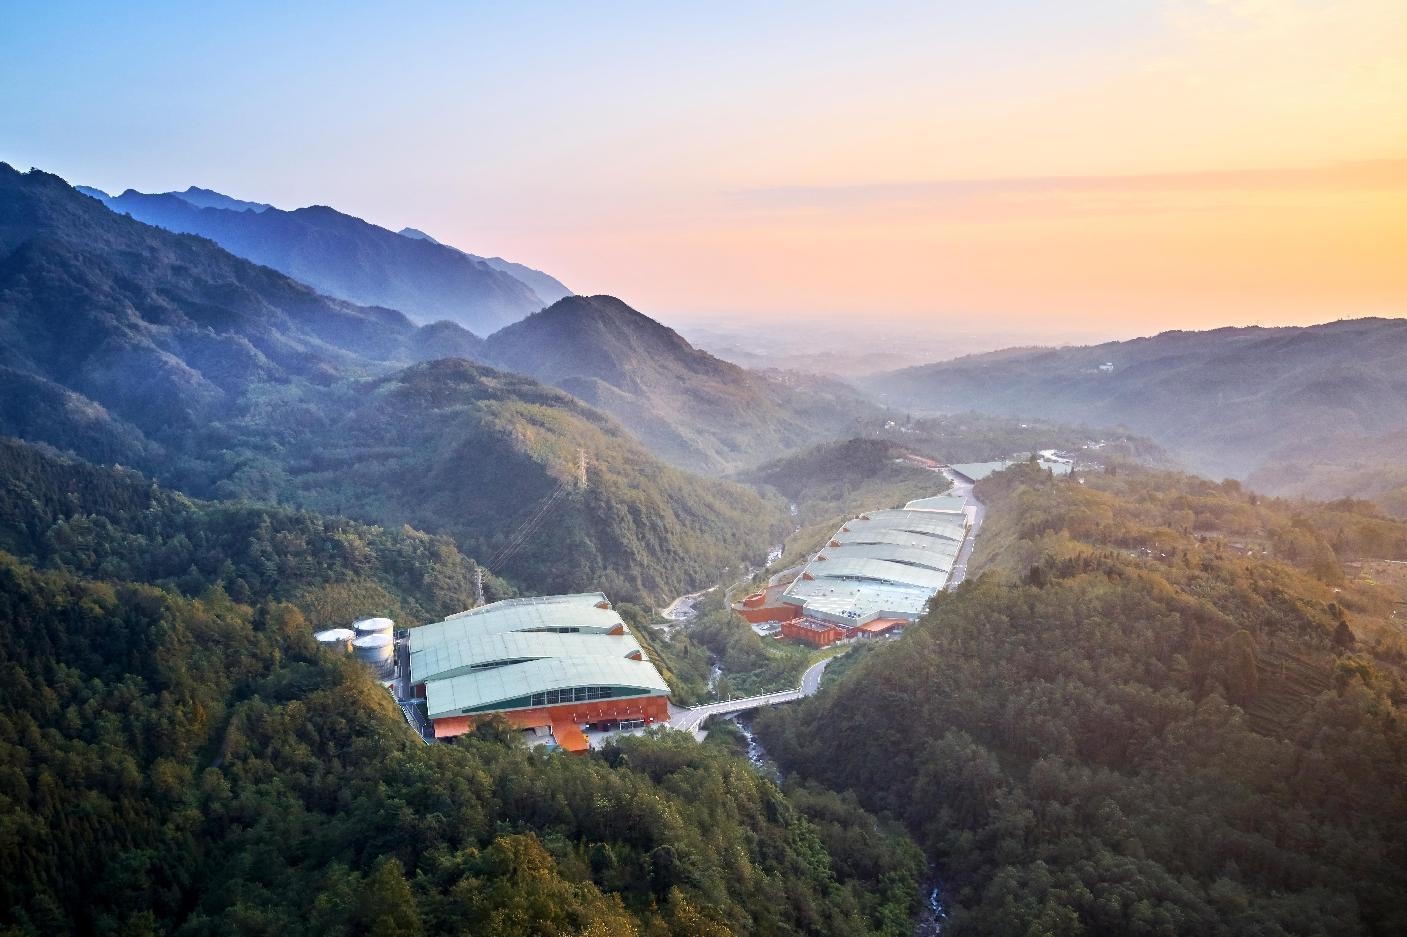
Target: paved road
[(976, 513), (689, 720)]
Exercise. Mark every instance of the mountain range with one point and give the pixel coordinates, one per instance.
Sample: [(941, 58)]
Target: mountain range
[(122, 342), (351, 259), (1260, 403), (689, 407)]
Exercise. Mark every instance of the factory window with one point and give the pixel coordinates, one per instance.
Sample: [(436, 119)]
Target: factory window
[(578, 694)]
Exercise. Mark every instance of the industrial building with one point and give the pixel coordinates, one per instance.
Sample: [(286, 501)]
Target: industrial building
[(875, 575), (976, 471), (555, 664)]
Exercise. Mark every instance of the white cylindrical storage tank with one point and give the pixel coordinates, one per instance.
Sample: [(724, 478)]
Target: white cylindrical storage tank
[(339, 638), (374, 626), (374, 648)]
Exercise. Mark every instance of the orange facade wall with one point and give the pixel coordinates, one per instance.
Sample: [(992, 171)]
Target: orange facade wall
[(651, 709), (819, 635), (768, 613)]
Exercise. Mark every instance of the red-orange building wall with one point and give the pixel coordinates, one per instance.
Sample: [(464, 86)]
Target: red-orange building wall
[(651, 709), (812, 633)]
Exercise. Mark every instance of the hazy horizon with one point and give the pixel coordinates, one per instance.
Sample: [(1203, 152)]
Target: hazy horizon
[(1109, 170)]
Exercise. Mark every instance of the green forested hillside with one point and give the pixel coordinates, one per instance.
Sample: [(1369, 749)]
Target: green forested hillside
[(456, 448), (689, 407), (1158, 711), (851, 475), (114, 524), (181, 766)]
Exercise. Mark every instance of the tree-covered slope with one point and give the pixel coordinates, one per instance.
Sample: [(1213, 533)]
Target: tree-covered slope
[(1231, 401), (112, 523), (1157, 712), (689, 407), (452, 447), (349, 258), (848, 476), (173, 765)]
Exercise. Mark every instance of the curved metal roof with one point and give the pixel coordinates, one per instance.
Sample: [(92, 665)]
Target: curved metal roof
[(579, 599), (946, 504), (931, 559), (881, 571), (900, 537), (443, 659), (481, 690), (918, 521), (499, 618)]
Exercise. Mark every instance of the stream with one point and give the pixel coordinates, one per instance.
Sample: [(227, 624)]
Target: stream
[(934, 914), (755, 752)]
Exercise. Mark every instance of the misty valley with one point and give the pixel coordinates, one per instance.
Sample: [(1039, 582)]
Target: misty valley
[(793, 470)]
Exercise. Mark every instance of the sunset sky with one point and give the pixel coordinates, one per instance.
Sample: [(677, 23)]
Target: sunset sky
[(1104, 166)]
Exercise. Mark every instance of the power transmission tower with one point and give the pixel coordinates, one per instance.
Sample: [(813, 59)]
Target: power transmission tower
[(581, 469), (478, 585)]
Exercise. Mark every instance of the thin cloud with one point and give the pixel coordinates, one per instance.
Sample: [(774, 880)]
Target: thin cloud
[(1364, 174)]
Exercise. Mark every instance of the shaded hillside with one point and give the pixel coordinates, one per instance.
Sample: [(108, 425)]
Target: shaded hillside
[(847, 476), (140, 337), (1347, 465), (113, 523), (1230, 401), (1155, 712), (125, 343), (548, 288), (686, 405), (343, 256), (462, 449)]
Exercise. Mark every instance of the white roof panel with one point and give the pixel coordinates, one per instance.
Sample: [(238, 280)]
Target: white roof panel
[(482, 689), (441, 659)]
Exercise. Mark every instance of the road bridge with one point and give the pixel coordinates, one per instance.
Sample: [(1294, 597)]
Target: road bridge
[(692, 720)]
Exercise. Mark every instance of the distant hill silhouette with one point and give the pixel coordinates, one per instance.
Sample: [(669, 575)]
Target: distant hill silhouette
[(1232, 402), (691, 408), (548, 288), (345, 257)]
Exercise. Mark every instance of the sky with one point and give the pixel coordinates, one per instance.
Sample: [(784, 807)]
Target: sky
[(1106, 167)]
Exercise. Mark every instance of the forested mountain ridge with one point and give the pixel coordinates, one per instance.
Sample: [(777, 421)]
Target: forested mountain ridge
[(689, 407), (1161, 709), (457, 448), (114, 524), (125, 343), (548, 288), (1230, 401), (346, 257)]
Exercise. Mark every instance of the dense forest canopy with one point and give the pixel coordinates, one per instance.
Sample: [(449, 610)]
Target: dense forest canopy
[(174, 761), (1163, 709)]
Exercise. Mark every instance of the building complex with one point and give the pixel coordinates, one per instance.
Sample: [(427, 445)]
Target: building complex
[(875, 575), (555, 664)]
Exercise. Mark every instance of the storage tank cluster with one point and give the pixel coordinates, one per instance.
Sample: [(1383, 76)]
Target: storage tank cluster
[(371, 640), (375, 644)]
